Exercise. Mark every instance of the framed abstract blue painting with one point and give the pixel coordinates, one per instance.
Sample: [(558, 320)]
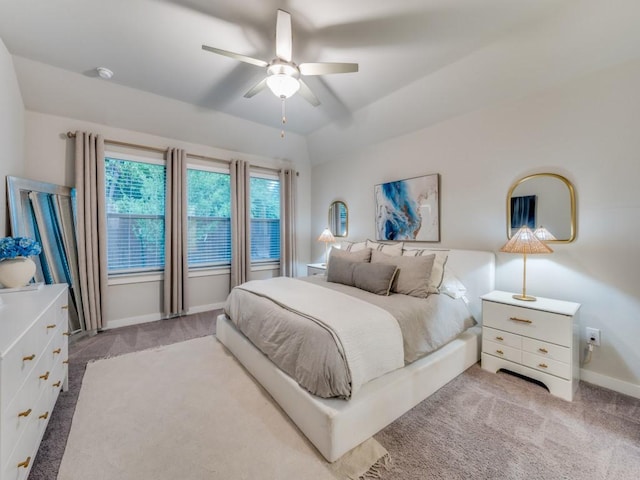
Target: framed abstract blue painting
[(409, 209)]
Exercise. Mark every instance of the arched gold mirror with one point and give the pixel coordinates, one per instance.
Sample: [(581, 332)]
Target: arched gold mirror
[(339, 219), (543, 200)]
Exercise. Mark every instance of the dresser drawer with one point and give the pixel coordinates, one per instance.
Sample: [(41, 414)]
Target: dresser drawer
[(19, 463), (553, 367), (549, 327), (503, 338), (502, 351), (546, 350)]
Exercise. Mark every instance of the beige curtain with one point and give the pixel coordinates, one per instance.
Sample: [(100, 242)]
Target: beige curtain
[(91, 227), (176, 269), (288, 256), (240, 222)]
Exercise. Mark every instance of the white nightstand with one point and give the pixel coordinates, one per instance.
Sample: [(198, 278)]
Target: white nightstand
[(316, 269), (537, 339)]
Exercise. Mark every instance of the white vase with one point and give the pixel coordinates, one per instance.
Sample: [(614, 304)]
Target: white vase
[(16, 272)]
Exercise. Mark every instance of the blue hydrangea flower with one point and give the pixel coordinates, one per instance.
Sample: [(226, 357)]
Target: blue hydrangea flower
[(12, 247)]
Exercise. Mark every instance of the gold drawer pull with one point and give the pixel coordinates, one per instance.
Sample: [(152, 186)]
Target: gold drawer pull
[(44, 416), (57, 384), (45, 376), (500, 352), (64, 307), (543, 350), (522, 320), (26, 413), (499, 338), (66, 334), (65, 361), (57, 351), (542, 365), (25, 464), (30, 357), (53, 325)]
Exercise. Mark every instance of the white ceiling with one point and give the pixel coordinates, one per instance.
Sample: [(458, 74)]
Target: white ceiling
[(421, 62), (155, 45)]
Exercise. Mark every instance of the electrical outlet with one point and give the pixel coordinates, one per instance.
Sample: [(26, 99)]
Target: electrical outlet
[(593, 336)]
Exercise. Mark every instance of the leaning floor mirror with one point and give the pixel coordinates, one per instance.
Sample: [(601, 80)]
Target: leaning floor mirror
[(45, 212)]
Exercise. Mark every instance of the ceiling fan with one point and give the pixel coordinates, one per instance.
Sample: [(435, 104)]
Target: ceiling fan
[(283, 75)]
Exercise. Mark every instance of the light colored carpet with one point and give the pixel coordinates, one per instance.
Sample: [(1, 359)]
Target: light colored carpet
[(188, 411)]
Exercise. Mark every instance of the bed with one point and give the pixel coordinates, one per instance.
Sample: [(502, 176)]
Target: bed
[(336, 425)]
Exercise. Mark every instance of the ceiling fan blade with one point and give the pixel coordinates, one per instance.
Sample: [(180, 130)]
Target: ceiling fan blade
[(307, 94), (327, 68), (284, 39), (236, 56), (257, 88)]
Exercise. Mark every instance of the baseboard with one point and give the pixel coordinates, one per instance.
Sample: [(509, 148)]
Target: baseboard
[(611, 383), (153, 317)]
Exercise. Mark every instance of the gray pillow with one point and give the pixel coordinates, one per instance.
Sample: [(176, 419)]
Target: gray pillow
[(363, 255), (340, 270), (375, 278), (413, 275)]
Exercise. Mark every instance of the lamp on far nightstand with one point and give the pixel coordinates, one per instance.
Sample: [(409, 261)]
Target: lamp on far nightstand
[(525, 242), (327, 237), (543, 234)]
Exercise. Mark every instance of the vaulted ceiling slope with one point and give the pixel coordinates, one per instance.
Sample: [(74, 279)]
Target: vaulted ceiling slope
[(421, 61)]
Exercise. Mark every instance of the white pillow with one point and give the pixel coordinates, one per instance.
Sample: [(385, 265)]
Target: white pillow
[(353, 246), (437, 272), (452, 286), (393, 249)]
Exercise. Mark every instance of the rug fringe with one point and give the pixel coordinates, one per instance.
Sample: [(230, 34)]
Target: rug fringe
[(377, 469)]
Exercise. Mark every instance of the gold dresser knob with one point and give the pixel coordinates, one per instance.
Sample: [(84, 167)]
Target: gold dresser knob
[(57, 384), (500, 352), (57, 351), (521, 320), (66, 334), (499, 338), (28, 358), (44, 416), (53, 325), (25, 464), (543, 350), (64, 307), (542, 365), (65, 361), (26, 413), (45, 376)]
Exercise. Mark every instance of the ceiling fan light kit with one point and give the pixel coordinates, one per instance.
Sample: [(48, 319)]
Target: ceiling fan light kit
[(283, 75)]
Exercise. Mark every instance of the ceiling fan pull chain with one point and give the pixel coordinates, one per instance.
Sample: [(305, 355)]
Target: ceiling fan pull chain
[(284, 117)]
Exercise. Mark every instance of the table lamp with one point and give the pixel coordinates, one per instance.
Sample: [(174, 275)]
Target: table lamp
[(327, 237), (525, 242)]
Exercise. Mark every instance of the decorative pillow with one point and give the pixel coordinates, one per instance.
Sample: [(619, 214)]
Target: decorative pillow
[(393, 249), (353, 247), (452, 286), (413, 274), (374, 277), (438, 265), (358, 256), (366, 276), (340, 270)]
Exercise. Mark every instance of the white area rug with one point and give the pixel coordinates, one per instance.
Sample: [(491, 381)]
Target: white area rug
[(190, 411)]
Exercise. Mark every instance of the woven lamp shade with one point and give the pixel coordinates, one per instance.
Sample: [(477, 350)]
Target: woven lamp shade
[(525, 241), (327, 237)]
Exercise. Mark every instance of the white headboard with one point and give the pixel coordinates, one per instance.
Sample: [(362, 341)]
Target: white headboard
[(477, 271)]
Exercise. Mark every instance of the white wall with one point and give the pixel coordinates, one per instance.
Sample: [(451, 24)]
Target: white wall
[(11, 131), (49, 157), (586, 130)]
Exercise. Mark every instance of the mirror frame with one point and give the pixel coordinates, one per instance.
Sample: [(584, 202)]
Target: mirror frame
[(572, 199), (346, 226)]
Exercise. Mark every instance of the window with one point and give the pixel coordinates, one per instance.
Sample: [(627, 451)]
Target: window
[(208, 217), (265, 219), (135, 191)]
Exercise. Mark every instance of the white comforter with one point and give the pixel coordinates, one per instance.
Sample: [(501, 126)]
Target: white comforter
[(368, 336)]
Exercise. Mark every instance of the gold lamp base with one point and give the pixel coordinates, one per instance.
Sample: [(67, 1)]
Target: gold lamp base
[(526, 298)]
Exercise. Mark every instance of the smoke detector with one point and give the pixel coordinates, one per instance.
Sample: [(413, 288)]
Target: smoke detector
[(104, 72)]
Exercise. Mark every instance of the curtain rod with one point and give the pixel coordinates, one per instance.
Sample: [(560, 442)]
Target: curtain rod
[(160, 150)]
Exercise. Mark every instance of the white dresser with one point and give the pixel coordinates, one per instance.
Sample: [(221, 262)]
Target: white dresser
[(33, 370), (538, 339)]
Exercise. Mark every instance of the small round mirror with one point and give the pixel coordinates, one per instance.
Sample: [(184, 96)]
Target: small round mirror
[(338, 219)]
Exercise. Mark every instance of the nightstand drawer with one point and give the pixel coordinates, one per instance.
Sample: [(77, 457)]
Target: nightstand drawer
[(550, 327), (502, 351), (546, 350), (502, 338), (553, 367)]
